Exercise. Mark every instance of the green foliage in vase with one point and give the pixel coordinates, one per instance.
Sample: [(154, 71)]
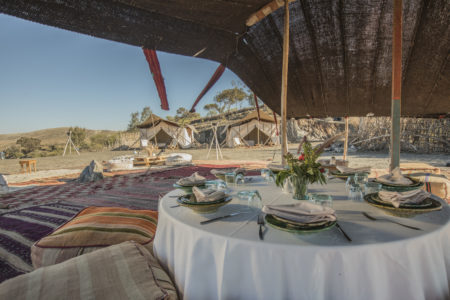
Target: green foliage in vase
[(307, 170)]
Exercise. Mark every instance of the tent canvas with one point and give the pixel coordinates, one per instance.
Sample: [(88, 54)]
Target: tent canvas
[(247, 128), (160, 131)]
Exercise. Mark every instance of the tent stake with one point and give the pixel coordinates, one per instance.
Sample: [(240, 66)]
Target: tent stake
[(396, 84), (284, 83)]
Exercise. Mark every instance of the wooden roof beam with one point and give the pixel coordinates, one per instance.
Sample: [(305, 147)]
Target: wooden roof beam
[(265, 11)]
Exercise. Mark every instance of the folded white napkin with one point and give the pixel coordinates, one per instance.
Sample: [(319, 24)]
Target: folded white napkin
[(395, 177), (397, 198), (192, 180), (303, 212), (207, 195), (347, 170)]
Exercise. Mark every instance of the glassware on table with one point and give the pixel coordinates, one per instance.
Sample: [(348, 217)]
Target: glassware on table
[(355, 193), (350, 181), (229, 177), (252, 197), (264, 173), (288, 186), (239, 179), (321, 199), (361, 179), (372, 187), (216, 184)]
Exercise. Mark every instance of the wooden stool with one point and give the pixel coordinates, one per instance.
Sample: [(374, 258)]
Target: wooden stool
[(28, 164)]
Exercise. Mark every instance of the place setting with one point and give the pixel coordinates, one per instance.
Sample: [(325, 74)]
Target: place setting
[(402, 196), (344, 172)]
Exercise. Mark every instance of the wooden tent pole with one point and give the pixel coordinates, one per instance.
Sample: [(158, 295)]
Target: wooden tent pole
[(284, 83), (396, 84), (346, 138)]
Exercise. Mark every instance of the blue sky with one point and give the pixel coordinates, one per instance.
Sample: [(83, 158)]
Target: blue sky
[(51, 77)]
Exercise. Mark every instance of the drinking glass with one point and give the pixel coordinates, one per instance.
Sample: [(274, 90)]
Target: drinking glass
[(252, 197), (355, 193), (372, 187), (288, 186), (229, 178), (321, 199), (264, 173), (361, 179), (350, 181), (215, 185), (239, 179)]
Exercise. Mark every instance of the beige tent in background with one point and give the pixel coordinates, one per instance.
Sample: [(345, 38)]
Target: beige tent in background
[(249, 131), (165, 133)]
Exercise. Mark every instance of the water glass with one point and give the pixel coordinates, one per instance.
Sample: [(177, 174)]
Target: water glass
[(321, 199), (216, 185), (229, 178), (253, 198), (355, 193), (239, 179), (372, 187), (361, 179), (264, 173), (288, 186), (350, 181)]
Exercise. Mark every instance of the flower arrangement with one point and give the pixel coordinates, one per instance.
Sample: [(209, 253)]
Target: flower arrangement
[(302, 171)]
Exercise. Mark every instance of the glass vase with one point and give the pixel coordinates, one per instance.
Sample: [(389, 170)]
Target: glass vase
[(300, 188)]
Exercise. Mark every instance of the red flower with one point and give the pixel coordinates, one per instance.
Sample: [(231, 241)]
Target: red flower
[(322, 170), (301, 157)]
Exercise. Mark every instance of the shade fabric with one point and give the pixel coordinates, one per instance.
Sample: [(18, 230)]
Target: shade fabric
[(226, 260), (217, 74), (340, 52), (153, 63)]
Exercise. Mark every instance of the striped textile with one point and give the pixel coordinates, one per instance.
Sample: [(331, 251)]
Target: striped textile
[(20, 229), (124, 271), (95, 227)]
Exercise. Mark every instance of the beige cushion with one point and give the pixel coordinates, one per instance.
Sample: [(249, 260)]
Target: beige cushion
[(94, 228), (123, 271)]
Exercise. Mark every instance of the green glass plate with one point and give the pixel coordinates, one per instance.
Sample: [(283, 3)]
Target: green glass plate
[(287, 226), (403, 211), (425, 203), (203, 207), (415, 183)]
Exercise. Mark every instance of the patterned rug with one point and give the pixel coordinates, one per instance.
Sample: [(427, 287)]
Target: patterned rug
[(35, 212)]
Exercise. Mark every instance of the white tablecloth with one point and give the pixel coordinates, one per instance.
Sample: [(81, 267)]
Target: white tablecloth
[(226, 259)]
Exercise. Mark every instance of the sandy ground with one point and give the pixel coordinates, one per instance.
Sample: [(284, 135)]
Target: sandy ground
[(73, 164)]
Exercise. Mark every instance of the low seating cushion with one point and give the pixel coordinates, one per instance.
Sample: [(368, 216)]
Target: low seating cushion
[(123, 271), (94, 228)]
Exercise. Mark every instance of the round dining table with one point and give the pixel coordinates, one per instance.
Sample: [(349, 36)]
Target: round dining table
[(227, 259)]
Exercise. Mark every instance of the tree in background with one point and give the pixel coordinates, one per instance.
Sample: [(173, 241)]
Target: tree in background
[(137, 118), (134, 122), (78, 135), (225, 99), (29, 144), (145, 113), (184, 116)]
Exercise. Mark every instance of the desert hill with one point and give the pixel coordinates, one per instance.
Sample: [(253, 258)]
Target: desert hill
[(51, 136)]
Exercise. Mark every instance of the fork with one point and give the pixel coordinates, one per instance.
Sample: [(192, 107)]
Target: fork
[(261, 224), (389, 220)]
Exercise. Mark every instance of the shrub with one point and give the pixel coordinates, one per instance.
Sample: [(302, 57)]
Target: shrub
[(13, 152)]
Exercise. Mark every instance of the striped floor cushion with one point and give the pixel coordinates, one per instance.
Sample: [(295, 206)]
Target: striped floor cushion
[(124, 271), (94, 228)]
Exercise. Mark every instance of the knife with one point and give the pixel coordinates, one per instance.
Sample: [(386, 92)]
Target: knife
[(220, 218), (343, 232)]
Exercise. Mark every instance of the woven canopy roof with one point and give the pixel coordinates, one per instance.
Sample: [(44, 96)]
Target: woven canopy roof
[(340, 51), (154, 120)]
